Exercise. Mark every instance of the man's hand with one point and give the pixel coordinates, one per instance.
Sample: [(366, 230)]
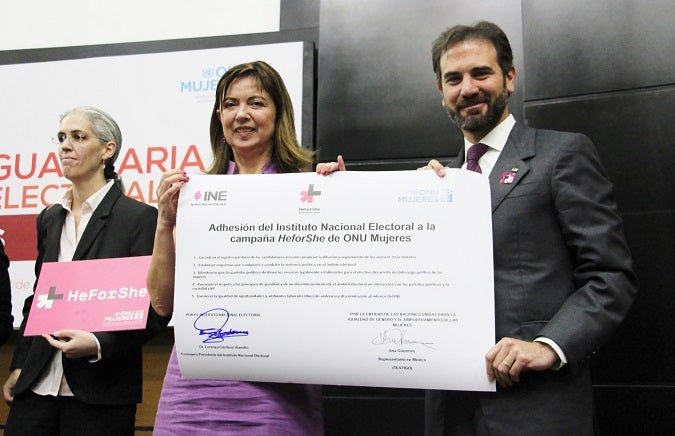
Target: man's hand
[(509, 357), (436, 166)]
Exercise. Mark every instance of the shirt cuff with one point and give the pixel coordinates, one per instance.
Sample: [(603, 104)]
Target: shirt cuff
[(98, 353), (562, 359)]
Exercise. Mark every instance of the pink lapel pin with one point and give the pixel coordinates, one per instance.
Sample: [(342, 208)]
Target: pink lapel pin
[(507, 177)]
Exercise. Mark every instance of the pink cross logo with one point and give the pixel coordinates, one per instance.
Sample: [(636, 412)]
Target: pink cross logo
[(308, 195)]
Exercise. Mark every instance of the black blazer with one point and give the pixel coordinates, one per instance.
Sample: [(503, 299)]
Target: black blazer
[(6, 318), (119, 227), (562, 269)]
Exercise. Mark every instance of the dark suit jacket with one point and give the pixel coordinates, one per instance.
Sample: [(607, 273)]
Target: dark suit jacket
[(6, 319), (562, 270), (119, 227)]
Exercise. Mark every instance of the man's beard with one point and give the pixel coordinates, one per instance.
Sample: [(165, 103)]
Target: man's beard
[(480, 123)]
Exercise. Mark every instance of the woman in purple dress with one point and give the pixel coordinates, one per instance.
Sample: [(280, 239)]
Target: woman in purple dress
[(252, 132)]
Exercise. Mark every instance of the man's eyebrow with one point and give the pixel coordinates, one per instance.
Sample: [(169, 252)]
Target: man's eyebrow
[(448, 74), (475, 70), (482, 69)]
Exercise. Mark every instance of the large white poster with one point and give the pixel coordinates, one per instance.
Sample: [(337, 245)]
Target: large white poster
[(162, 102), (358, 278)]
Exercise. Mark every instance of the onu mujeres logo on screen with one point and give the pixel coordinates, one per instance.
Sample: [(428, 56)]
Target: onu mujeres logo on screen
[(206, 82)]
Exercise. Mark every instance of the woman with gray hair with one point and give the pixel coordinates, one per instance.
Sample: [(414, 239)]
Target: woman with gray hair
[(75, 382), (106, 130)]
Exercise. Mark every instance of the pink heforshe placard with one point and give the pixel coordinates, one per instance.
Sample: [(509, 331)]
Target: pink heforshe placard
[(92, 295)]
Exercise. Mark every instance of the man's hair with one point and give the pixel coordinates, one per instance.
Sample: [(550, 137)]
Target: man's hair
[(483, 30)]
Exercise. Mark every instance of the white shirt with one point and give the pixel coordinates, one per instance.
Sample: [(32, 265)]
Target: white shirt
[(496, 140), (53, 381)]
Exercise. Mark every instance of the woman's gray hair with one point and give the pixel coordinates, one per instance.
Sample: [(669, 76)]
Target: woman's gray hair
[(106, 129)]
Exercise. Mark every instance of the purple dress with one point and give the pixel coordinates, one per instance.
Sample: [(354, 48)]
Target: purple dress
[(209, 407), (206, 407)]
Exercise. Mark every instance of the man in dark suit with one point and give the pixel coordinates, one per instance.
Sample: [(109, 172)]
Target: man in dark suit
[(562, 269), (76, 382)]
